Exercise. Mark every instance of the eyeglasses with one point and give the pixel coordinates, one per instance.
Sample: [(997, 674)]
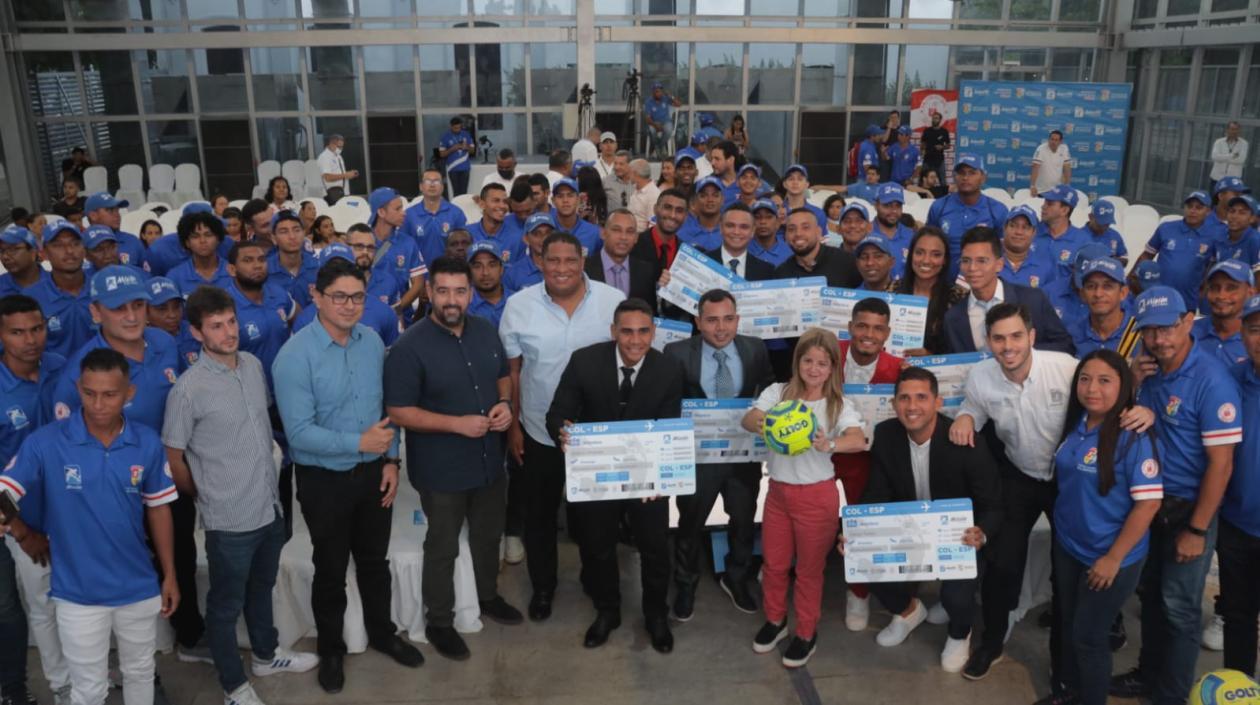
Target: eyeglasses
[(362, 247), (431, 181), (341, 298)]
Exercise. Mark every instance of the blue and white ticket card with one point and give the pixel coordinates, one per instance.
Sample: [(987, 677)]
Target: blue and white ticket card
[(630, 459), (719, 436), (908, 541), (779, 308)]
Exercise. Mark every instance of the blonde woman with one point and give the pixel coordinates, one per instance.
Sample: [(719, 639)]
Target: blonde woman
[(802, 510)]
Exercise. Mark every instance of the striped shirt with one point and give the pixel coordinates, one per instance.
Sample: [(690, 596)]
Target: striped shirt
[(218, 417)]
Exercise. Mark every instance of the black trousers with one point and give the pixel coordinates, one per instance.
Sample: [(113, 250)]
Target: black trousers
[(459, 182), (739, 484), (514, 521), (344, 515), (597, 530), (446, 513), (187, 620), (1238, 554), (958, 597), (542, 488)]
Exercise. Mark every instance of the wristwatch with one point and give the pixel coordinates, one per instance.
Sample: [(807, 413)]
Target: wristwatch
[(1196, 531), (504, 401), (392, 461)]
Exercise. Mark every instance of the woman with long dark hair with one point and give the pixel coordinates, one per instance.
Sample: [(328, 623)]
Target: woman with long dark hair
[(738, 133), (322, 232), (593, 201), (279, 194), (1110, 488), (927, 274)]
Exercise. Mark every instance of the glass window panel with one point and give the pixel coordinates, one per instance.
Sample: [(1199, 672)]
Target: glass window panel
[(1079, 10), (39, 10), (931, 9), (444, 76), (824, 74), (432, 127), (1251, 96), (827, 8), (926, 67), (1145, 9), (116, 144), (1199, 162), (173, 142), (551, 7), (387, 8), (156, 11), (1228, 5), (283, 139), (1251, 170), (777, 8), (1183, 7), (229, 166), (1216, 90), (505, 131), (220, 80), (98, 10), (352, 154), (1163, 155), (107, 80), (1174, 80), (52, 84), (333, 80), (723, 7), (771, 74), (668, 7), (1132, 160), (441, 8), (553, 73), (393, 150), (668, 64), (614, 7), (498, 7), (549, 133), (164, 81), (389, 76), (277, 79), (6, 193), (770, 136), (501, 74), (327, 8), (719, 73), (270, 9), (612, 63), (56, 140), (213, 9), (874, 74), (1030, 9)]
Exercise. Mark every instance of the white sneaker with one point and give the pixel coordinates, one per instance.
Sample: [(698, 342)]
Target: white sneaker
[(900, 627), (937, 614), (285, 661), (61, 696), (857, 612), (243, 695), (513, 550), (1214, 634), (198, 653), (955, 654)]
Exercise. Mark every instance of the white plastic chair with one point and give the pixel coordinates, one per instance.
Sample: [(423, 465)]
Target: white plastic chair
[(472, 211), (169, 221), (911, 197), (237, 204), (131, 184), (1020, 196), (862, 202), (133, 220), (1118, 201), (321, 206), (1137, 226), (919, 209), (52, 218), (267, 170), (819, 197), (1080, 216), (188, 183), (998, 194), (314, 180), (1035, 203), (95, 179), (294, 171), (1082, 199), (1168, 219), (154, 206), (162, 183), (348, 211)]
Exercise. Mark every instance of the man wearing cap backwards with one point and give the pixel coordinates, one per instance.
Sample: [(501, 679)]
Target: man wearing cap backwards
[(397, 253), (904, 157), (1102, 218), (200, 234), (102, 209), (377, 312), (868, 150), (1057, 238), (887, 224), (1224, 191), (966, 208), (289, 265), (1185, 249), (659, 117), (166, 313), (434, 217), (456, 149), (1241, 242), (875, 262), (19, 255), (63, 295), (494, 227), (1023, 262), (768, 243), (1229, 284), (1198, 424), (796, 188), (527, 271), (855, 224), (1108, 324), (702, 228), (564, 194), (1051, 165)]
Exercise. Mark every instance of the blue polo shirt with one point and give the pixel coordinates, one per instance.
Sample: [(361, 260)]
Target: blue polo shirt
[(186, 345), (402, 261), (263, 327), (1215, 226), (131, 251), (1037, 271), (1112, 240), (1067, 301), (1087, 339), (900, 241), (1087, 524), (432, 229), (9, 286), (187, 279), (868, 155), (778, 253), (153, 376), (863, 190), (66, 316), (658, 110), (1060, 250), (377, 315), (521, 274), (699, 237), (955, 218), (1245, 249), (1184, 257), (456, 161), (509, 239), (298, 286), (1196, 406), (587, 233), (904, 160), (487, 310), (27, 405), (1229, 351), (1241, 505), (91, 500)]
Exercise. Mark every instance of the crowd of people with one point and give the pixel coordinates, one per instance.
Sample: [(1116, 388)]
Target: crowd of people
[(150, 378)]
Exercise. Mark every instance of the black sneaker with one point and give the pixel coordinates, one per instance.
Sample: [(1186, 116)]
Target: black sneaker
[(447, 641), (1118, 636), (1064, 698), (769, 636), (799, 651), (981, 661), (684, 604), (738, 592), (1129, 684)]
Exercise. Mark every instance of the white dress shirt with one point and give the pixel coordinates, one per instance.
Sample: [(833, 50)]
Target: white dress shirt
[(494, 178), (1028, 417), (643, 204), (919, 464), (858, 374), (740, 269), (603, 168), (634, 376), (331, 163), (976, 310), (1228, 158)]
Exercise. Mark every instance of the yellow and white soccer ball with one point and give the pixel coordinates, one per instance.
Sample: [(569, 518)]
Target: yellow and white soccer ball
[(789, 427), (1225, 687)]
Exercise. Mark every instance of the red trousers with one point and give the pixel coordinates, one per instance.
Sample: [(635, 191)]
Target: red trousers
[(799, 523), (853, 470)]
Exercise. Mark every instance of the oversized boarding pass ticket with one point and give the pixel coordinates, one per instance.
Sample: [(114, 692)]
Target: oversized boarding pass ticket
[(719, 436), (668, 331), (692, 274), (630, 459), (778, 308), (873, 402), (951, 375), (908, 322), (908, 541)]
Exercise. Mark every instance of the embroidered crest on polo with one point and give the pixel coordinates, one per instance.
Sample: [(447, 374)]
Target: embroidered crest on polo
[(1091, 456), (1227, 413), (61, 410), (137, 472), (170, 375), (1150, 468), (1174, 403)]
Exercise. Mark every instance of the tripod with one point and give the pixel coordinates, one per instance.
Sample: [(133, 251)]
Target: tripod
[(630, 91), (586, 115)]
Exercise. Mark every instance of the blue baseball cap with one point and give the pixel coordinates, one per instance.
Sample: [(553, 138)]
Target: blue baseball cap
[(890, 193), (713, 181), (284, 214), (903, 130), (489, 247), (537, 220), (1106, 266), (18, 235), (200, 207), (1200, 196), (858, 207), (1230, 183), (1022, 211), (1062, 194), (1104, 212), (1252, 307), (872, 130), (879, 241), (764, 204), (684, 155), (749, 167), (972, 160), (657, 84), (1083, 256), (162, 290), (53, 229), (335, 249), (1246, 201), (578, 166), (1233, 269), (380, 198), (116, 285), (1159, 306), (796, 167), (565, 182), (1148, 272), (103, 200), (706, 119), (96, 234), (698, 138)]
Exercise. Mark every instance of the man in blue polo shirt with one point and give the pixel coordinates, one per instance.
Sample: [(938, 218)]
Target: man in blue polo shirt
[(868, 150), (63, 295), (19, 255), (1223, 191), (527, 271), (95, 480), (1057, 237), (703, 228), (102, 209), (564, 194), (1241, 241), (494, 226), (100, 248), (1102, 218), (397, 253), (1197, 408), (1023, 261), (433, 218), (658, 111), (489, 296), (867, 185), (201, 235), (166, 252), (166, 313), (1229, 284), (289, 265), (263, 309), (1064, 291), (904, 156), (1185, 248), (795, 182), (768, 243), (966, 208), (456, 149), (888, 209), (1108, 324), (1144, 276)]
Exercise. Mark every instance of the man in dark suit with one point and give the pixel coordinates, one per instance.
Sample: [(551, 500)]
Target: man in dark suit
[(615, 266), (912, 459), (981, 263), (719, 364), (621, 380), (737, 233), (659, 243), (811, 258)]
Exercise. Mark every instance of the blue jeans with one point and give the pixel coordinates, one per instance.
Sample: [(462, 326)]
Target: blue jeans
[(13, 631), (1086, 617), (243, 568), (1172, 614)]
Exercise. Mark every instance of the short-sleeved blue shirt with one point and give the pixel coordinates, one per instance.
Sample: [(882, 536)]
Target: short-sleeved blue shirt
[(699, 237), (297, 285), (521, 274), (1037, 271), (1245, 249), (27, 404), (1184, 257), (67, 316), (776, 255), (510, 240), (955, 218), (1230, 351), (153, 376), (187, 279), (263, 327), (487, 310), (1241, 505), (432, 229), (456, 161), (904, 160)]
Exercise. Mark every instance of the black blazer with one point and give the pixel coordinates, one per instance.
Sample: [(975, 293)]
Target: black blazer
[(645, 249), (642, 279), (755, 270), (955, 472), (753, 358), (589, 385), (1051, 335)]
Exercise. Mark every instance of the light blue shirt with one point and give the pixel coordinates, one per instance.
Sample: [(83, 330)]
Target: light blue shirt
[(540, 332), (709, 368), (328, 394)]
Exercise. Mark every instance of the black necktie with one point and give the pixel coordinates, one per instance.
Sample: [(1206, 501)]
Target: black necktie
[(626, 386)]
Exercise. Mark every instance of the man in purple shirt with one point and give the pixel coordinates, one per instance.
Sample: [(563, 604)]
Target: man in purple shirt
[(613, 264)]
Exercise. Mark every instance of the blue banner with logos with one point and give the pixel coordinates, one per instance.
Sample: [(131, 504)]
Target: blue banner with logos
[(1005, 121)]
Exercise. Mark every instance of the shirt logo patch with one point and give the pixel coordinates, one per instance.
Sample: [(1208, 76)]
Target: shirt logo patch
[(124, 258), (506, 256), (61, 410), (54, 324), (1064, 255), (1172, 244), (137, 472), (1091, 456), (74, 477), (166, 470), (1227, 413), (446, 228), (251, 330), (1034, 281), (1203, 248), (17, 417), (1174, 403), (191, 357), (1150, 468), (170, 375), (280, 313), (401, 260)]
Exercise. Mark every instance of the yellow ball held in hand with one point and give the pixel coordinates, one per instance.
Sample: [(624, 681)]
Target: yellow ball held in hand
[(789, 428), (1225, 686)]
